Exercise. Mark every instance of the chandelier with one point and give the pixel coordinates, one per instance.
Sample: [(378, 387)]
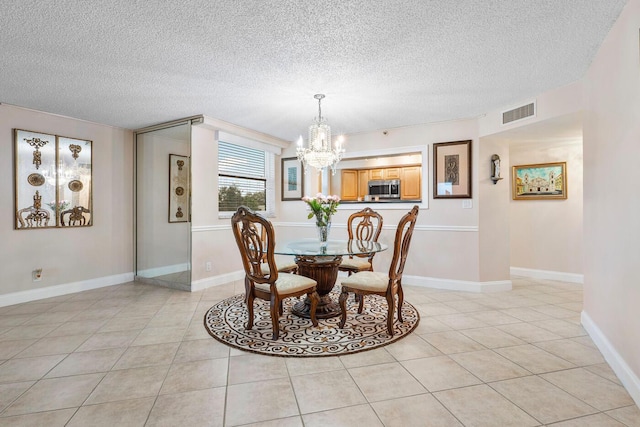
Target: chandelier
[(319, 153)]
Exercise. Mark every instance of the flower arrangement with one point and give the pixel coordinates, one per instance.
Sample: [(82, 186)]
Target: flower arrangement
[(322, 207), (58, 206)]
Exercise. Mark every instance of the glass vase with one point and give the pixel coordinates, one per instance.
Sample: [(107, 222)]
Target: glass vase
[(323, 233)]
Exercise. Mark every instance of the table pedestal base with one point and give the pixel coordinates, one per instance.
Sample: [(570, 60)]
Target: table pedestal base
[(324, 270), (326, 308)]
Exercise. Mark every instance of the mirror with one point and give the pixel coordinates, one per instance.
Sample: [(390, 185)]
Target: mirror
[(52, 181), (163, 199)]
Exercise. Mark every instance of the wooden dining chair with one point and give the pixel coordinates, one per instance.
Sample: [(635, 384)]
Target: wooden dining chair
[(283, 267), (271, 286), (386, 285), (364, 225)]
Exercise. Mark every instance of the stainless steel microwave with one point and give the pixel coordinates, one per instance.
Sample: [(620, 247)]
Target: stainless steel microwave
[(385, 188)]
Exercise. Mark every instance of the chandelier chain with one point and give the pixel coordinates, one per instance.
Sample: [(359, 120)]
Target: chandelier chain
[(319, 97)]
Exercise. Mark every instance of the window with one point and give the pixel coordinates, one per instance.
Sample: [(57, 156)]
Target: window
[(245, 177)]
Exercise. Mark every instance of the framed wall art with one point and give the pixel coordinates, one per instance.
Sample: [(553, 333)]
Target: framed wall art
[(53, 181), (292, 179), (539, 181), (179, 190), (452, 170)]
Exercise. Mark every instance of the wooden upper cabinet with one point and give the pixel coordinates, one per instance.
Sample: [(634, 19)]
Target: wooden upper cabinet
[(376, 174), (387, 173), (392, 173), (363, 182), (410, 186), (349, 185)]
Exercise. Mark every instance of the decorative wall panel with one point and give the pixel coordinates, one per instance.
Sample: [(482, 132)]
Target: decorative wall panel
[(53, 185), (179, 190)]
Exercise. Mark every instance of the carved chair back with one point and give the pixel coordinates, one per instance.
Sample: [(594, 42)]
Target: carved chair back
[(401, 245), (368, 225), (255, 239)]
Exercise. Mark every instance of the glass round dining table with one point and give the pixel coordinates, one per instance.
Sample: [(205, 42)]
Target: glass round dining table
[(320, 262)]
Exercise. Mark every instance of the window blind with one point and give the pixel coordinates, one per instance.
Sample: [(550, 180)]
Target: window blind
[(242, 177)]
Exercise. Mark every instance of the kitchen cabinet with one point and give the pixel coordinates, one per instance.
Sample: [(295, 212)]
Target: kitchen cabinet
[(391, 173), (349, 190), (410, 184), (376, 174), (386, 173), (355, 182), (363, 182)]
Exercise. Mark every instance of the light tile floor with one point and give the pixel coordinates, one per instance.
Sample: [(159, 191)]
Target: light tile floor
[(135, 355)]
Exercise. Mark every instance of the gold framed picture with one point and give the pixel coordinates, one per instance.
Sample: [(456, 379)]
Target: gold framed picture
[(539, 181)]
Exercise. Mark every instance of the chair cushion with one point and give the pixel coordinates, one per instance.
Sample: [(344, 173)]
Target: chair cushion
[(355, 264), (285, 266), (367, 281), (288, 284)]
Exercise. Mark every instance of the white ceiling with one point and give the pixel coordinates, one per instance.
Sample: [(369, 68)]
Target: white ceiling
[(381, 63)]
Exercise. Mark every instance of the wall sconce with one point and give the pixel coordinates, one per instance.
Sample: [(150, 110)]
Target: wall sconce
[(495, 168)]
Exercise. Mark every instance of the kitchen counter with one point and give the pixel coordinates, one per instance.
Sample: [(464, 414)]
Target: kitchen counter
[(355, 202)]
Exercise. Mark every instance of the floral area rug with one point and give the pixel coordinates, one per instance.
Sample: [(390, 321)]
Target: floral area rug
[(226, 322)]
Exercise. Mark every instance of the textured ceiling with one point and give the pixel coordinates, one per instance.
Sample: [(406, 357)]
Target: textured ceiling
[(381, 63)]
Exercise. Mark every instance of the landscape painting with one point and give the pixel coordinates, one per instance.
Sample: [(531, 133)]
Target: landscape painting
[(540, 181)]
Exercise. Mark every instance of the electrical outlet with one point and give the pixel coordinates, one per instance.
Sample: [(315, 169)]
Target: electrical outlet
[(36, 274), (467, 204), (207, 265)]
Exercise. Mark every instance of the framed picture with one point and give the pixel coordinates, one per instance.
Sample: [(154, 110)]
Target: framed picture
[(540, 181), (452, 170), (53, 181), (292, 179), (179, 191)]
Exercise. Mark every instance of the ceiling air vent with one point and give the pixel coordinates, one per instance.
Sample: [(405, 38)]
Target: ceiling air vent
[(519, 113)]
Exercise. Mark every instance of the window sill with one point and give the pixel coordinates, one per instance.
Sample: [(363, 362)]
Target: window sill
[(228, 215)]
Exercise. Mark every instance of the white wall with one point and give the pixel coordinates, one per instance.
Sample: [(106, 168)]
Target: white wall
[(550, 245), (212, 239), (554, 103), (494, 212), (547, 234), (100, 253), (611, 202), (445, 247)]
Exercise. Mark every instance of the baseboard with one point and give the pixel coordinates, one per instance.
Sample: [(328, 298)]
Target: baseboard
[(161, 271), (64, 289), (548, 275), (221, 279), (457, 285), (628, 378), (163, 283), (427, 282)]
